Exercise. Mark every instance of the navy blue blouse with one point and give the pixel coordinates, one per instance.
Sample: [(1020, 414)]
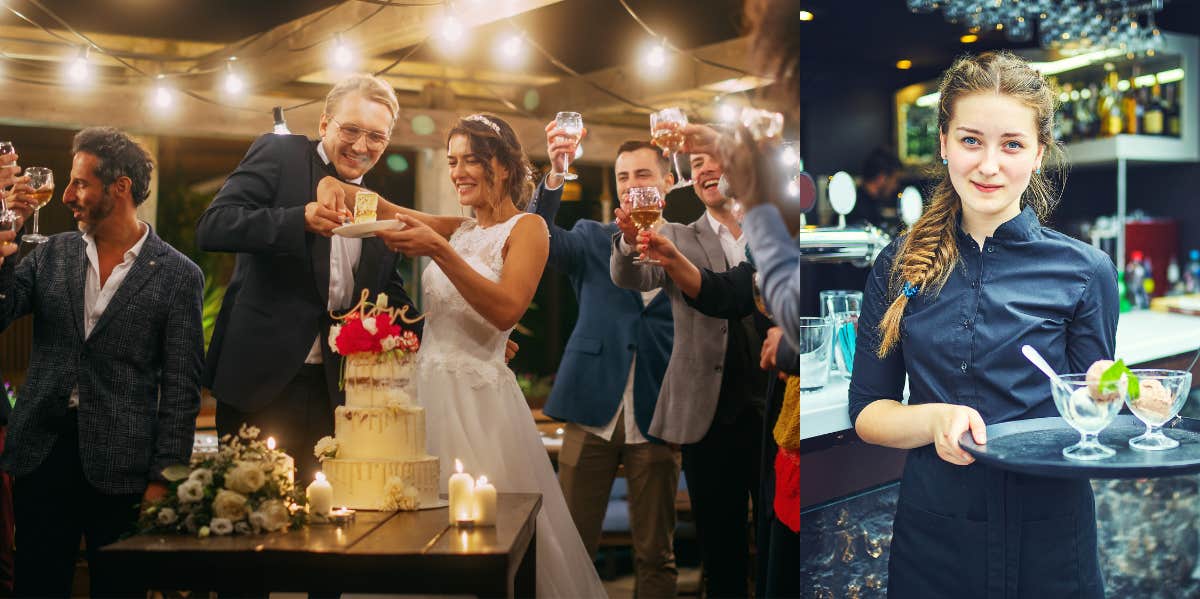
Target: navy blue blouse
[(1029, 285)]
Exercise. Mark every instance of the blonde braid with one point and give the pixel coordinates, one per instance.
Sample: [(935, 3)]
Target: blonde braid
[(925, 260)]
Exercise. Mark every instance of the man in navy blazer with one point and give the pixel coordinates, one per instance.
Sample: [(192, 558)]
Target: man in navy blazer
[(114, 379), (608, 381), (269, 361)]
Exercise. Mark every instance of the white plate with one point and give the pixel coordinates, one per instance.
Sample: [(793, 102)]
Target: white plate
[(368, 229)]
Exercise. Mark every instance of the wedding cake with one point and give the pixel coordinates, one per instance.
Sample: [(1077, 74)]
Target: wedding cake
[(365, 204), (376, 459)]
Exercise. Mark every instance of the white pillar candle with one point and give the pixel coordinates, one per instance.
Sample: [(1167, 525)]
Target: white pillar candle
[(485, 502), (461, 487), (320, 496)]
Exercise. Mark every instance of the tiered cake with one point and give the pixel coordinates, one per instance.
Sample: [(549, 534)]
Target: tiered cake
[(377, 458)]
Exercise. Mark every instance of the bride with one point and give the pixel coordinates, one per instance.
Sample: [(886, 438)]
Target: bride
[(482, 277)]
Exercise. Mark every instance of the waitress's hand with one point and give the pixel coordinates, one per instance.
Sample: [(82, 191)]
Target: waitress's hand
[(948, 424)]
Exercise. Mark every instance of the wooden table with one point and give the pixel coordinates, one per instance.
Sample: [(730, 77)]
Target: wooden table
[(399, 552)]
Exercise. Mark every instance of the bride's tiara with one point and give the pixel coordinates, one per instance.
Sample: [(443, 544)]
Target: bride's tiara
[(479, 118)]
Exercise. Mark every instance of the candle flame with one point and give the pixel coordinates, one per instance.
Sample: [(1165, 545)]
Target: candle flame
[(482, 481), (271, 443), (457, 465), (320, 476)]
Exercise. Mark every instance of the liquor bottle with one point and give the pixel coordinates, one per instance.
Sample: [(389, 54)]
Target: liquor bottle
[(1129, 107), (1152, 120), (1085, 113), (1171, 109), (1108, 108), (1191, 275), (1064, 117)]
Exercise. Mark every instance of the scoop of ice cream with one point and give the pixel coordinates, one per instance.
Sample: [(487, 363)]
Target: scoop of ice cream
[(1093, 381), (1154, 401)]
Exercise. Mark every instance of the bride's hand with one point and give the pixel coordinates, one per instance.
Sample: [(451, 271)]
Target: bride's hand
[(415, 239)]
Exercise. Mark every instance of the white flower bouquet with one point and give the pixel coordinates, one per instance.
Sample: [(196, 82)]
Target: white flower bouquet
[(244, 488)]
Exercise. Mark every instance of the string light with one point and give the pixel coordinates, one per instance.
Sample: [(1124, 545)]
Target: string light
[(233, 82), (342, 57), (727, 111), (451, 29), (79, 70)]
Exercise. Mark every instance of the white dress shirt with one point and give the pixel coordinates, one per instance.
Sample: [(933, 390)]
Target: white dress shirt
[(344, 253), (734, 247), (97, 297), (633, 434)]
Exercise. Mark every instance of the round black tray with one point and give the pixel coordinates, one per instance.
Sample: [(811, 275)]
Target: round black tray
[(1035, 447)]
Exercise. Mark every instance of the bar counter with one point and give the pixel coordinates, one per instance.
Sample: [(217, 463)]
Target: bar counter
[(848, 490)]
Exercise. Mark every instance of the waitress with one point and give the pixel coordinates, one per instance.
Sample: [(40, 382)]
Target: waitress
[(949, 305)]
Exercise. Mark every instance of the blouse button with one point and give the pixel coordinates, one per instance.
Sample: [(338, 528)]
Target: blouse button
[(963, 366), (966, 324), (974, 284), (991, 249)]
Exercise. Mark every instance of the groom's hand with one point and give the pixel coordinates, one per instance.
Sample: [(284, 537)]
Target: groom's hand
[(510, 349)]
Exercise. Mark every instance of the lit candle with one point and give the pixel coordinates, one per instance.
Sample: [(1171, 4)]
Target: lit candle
[(320, 496), (461, 503), (485, 502), (286, 462)]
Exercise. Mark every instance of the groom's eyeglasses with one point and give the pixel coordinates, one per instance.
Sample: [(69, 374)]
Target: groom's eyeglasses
[(350, 134)]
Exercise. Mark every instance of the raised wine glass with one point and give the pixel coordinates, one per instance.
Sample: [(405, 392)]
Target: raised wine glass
[(665, 133), (41, 179), (571, 124), (645, 207)]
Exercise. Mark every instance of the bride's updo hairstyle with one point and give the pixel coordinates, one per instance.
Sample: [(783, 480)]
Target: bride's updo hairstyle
[(491, 137)]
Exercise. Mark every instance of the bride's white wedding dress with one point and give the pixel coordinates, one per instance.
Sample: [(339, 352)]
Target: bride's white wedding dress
[(474, 411)]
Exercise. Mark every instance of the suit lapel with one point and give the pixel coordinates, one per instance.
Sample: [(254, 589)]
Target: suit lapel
[(77, 278), (144, 267), (320, 244), (711, 244)]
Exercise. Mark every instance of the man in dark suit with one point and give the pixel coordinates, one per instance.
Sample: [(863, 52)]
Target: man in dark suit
[(608, 381), (712, 395), (114, 380), (269, 362)]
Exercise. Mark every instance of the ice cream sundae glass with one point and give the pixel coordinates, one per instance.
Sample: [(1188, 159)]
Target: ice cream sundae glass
[(1159, 398), (1088, 407)]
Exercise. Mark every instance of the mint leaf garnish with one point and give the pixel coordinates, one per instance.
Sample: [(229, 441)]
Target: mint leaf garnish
[(1111, 378)]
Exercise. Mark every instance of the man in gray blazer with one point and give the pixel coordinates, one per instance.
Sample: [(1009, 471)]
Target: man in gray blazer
[(712, 395), (114, 381)]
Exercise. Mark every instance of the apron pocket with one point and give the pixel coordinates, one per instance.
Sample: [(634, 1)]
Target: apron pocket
[(936, 556), (1050, 564)]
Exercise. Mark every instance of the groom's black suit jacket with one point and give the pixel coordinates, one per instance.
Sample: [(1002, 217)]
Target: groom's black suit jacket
[(276, 302)]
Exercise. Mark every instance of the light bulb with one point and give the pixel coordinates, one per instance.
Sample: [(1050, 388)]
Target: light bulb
[(511, 46), (233, 83), (79, 69), (452, 29), (788, 156), (342, 57), (656, 57), (727, 112), (162, 96)]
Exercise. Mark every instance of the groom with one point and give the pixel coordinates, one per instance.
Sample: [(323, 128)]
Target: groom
[(269, 363)]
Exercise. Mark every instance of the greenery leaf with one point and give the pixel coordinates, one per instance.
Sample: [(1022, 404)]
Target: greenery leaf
[(1111, 377), (176, 472)]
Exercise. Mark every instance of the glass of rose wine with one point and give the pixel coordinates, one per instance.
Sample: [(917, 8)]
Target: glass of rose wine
[(41, 179), (571, 123), (665, 133), (645, 208)]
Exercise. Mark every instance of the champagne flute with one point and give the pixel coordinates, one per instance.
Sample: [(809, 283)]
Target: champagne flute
[(665, 133), (41, 179), (6, 148), (645, 208), (571, 123)]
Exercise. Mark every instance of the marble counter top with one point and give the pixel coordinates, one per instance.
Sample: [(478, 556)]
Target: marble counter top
[(1142, 336)]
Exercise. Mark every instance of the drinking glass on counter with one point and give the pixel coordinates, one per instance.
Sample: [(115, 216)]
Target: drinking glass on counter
[(1161, 394), (1088, 412), (842, 307), (815, 339)]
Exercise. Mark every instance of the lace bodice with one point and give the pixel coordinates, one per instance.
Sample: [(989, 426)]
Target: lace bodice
[(456, 337)]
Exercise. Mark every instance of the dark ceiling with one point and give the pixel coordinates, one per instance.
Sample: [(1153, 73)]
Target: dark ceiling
[(865, 38)]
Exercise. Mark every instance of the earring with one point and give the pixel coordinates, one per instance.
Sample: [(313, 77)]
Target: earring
[(1038, 171), (945, 162)]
